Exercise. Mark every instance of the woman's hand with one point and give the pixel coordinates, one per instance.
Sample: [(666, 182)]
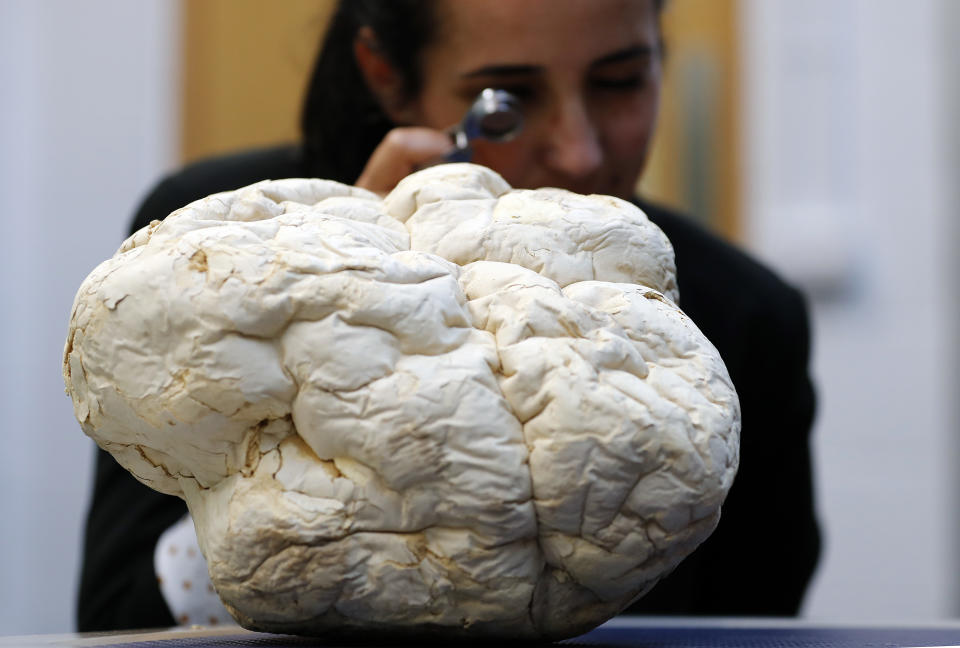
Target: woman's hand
[(403, 151)]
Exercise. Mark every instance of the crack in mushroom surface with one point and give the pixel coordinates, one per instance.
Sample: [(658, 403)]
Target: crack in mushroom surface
[(463, 409)]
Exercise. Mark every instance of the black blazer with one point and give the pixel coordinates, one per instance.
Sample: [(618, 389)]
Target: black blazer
[(759, 560)]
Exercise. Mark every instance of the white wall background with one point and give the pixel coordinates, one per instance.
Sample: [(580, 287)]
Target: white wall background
[(851, 154), (87, 122)]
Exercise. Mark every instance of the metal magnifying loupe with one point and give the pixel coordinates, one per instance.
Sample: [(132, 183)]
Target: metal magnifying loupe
[(494, 115)]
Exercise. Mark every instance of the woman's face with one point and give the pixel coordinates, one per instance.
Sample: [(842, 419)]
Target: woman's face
[(587, 73)]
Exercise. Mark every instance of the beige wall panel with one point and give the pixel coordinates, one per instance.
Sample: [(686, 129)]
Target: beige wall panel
[(245, 66), (694, 162)]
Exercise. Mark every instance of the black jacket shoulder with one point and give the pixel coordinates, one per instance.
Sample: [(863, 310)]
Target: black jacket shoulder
[(215, 174), (760, 559), (713, 273), (728, 293)]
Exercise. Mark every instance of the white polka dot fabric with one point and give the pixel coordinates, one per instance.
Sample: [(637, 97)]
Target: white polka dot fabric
[(184, 579)]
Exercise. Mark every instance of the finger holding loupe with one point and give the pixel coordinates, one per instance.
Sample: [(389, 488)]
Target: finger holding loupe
[(493, 116)]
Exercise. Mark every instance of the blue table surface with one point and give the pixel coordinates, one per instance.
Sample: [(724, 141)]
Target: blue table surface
[(760, 634), (640, 632)]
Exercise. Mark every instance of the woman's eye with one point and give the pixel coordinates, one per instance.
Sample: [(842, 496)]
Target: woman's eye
[(525, 94), (632, 82), (521, 92)]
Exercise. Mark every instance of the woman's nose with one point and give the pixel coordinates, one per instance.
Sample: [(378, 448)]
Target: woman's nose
[(573, 141)]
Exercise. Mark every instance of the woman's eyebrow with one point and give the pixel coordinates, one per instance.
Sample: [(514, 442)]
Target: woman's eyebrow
[(520, 69), (635, 52), (503, 70)]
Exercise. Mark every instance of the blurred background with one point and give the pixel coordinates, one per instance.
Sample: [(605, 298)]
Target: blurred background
[(821, 135)]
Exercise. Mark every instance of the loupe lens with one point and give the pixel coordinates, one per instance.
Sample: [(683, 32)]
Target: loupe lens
[(500, 125), (494, 116), (499, 115)]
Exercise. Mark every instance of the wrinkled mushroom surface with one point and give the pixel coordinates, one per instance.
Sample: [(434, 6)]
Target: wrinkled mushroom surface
[(462, 409)]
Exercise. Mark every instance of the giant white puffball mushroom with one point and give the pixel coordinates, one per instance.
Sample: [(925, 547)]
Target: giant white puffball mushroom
[(460, 410)]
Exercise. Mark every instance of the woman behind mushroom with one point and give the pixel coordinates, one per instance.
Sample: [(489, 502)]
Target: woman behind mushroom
[(390, 78)]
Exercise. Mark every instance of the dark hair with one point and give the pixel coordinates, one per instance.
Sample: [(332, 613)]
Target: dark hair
[(342, 122)]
